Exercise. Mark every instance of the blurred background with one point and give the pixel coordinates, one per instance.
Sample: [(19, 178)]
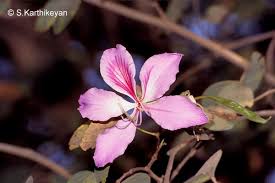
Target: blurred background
[(43, 74)]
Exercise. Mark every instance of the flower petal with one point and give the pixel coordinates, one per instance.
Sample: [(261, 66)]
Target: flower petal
[(113, 142), (175, 112), (118, 70), (158, 73), (101, 105)]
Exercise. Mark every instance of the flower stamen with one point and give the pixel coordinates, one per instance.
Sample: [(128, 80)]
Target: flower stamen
[(121, 128)]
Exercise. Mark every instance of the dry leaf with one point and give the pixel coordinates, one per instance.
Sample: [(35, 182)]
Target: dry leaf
[(90, 135), (77, 136)]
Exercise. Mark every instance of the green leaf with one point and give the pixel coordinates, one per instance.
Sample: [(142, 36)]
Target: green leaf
[(138, 178), (4, 6), (216, 13), (83, 177), (71, 6), (175, 9), (253, 76), (198, 179), (244, 9), (209, 167), (29, 179), (233, 90), (222, 118), (44, 23), (252, 116), (101, 175)]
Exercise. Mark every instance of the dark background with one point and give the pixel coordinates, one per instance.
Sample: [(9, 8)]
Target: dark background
[(42, 76)]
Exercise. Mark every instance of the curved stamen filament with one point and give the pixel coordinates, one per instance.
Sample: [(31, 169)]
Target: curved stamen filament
[(123, 118), (135, 117), (124, 112), (140, 118), (121, 128)]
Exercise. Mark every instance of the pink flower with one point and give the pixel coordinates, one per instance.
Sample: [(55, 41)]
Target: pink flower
[(157, 74)]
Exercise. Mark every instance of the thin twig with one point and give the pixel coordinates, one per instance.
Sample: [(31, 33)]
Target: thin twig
[(236, 44), (34, 156), (266, 112), (170, 165), (172, 154), (146, 169), (155, 155), (190, 72), (175, 172), (159, 10), (263, 95), (172, 27), (233, 45), (263, 113), (167, 25), (139, 169)]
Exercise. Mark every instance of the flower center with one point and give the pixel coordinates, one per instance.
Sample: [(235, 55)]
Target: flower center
[(140, 106), (136, 116)]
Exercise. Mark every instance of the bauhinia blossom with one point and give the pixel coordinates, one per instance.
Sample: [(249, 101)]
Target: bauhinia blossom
[(157, 74)]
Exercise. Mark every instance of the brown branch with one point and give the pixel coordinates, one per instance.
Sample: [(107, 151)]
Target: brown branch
[(172, 27), (34, 156), (159, 10), (139, 169), (170, 165), (249, 40), (263, 113), (146, 169), (183, 162), (233, 45), (263, 95), (266, 112), (192, 71), (172, 154), (155, 155)]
